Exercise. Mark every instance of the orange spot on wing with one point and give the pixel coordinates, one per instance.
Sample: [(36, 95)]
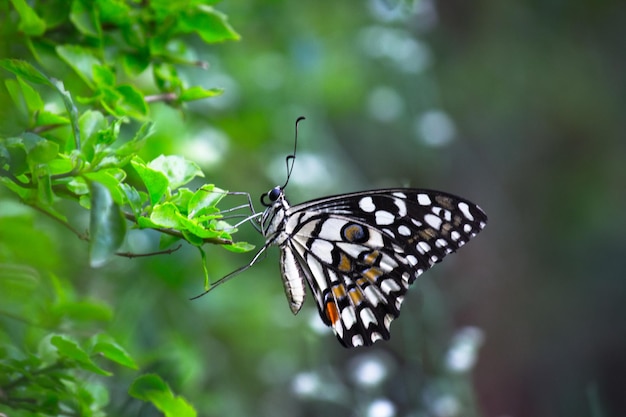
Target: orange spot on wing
[(331, 312), (371, 274), (356, 297), (339, 291), (344, 263), (371, 257)]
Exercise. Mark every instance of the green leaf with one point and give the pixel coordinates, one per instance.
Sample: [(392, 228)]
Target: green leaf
[(90, 124), (239, 247), (82, 60), (85, 17), (177, 169), (17, 155), (211, 25), (111, 179), (181, 199), (103, 76), (31, 96), (25, 70), (44, 151), (145, 223), (204, 200), (30, 23), (132, 102), (107, 227), (133, 198), (71, 110), (151, 388), (69, 349), (200, 230), (198, 93), (110, 349), (156, 182), (44, 185), (166, 215)]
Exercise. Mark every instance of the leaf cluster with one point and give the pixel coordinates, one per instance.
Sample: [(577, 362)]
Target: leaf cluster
[(78, 81)]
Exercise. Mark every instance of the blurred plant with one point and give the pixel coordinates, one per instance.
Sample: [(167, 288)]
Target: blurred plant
[(83, 147)]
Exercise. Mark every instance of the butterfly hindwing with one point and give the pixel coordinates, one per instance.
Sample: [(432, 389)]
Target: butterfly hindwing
[(360, 252)]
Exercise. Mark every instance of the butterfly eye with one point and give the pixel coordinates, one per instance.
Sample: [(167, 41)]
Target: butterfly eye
[(274, 193)]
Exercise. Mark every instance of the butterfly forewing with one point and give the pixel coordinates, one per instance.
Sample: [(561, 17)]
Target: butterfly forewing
[(360, 252)]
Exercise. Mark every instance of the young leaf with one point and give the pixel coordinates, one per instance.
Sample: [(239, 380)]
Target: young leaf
[(152, 388), (166, 215), (84, 15), (69, 349), (30, 23), (133, 198), (205, 197), (110, 349), (156, 182), (107, 227), (211, 25), (25, 70), (31, 96), (239, 247), (177, 169), (132, 102), (81, 59), (198, 93)]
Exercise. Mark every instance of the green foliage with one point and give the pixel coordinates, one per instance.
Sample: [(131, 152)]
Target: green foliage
[(84, 158), (73, 144)]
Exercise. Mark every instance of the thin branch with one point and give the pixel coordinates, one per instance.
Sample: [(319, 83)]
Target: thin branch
[(45, 128), (81, 236), (17, 181), (167, 97), (139, 255)]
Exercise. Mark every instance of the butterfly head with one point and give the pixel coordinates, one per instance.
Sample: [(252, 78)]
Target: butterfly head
[(268, 199)]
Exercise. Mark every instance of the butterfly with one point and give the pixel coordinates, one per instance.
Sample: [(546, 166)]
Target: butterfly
[(358, 253)]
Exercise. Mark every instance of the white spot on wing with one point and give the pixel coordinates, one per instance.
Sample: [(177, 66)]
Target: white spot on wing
[(357, 340), (367, 204), (433, 221), (441, 243), (367, 317), (423, 199), (331, 229), (404, 231), (376, 336), (347, 317), (389, 285), (401, 206), (387, 320), (465, 210), (383, 217), (372, 295), (425, 247), (322, 249)]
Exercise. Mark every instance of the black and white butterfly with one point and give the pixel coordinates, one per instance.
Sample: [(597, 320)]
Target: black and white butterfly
[(359, 252)]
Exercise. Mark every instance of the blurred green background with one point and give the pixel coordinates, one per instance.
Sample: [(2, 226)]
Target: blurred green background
[(517, 106)]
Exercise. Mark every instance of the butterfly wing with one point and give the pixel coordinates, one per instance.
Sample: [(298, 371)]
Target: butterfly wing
[(360, 252)]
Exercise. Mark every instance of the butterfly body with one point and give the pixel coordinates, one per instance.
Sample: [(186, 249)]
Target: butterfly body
[(359, 253)]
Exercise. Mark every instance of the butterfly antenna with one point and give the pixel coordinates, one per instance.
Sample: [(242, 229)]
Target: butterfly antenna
[(290, 160)]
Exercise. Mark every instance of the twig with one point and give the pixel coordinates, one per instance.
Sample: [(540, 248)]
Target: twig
[(139, 255)]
